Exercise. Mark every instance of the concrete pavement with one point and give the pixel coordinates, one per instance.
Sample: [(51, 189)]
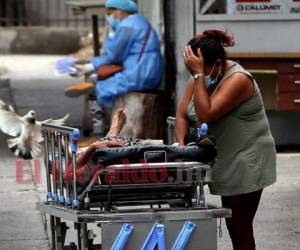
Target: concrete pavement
[(30, 84), (21, 224), (27, 82), (277, 222)]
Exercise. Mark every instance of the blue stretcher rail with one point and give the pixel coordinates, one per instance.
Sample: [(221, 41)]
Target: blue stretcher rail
[(160, 231), (184, 236), (122, 237), (155, 237)]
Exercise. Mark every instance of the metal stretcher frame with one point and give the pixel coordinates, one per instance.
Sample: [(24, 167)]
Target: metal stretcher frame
[(199, 174), (63, 204)]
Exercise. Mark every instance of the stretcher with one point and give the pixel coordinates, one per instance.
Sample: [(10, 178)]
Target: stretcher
[(149, 197)]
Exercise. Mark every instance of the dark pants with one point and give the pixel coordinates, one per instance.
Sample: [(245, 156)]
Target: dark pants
[(240, 225)]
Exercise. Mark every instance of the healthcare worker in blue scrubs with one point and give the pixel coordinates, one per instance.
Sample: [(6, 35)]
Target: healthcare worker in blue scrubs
[(135, 45)]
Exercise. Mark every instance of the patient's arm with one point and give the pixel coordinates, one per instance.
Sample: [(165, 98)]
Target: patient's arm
[(86, 155)]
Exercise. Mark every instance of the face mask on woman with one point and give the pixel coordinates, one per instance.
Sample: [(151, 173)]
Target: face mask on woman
[(112, 21), (209, 82)]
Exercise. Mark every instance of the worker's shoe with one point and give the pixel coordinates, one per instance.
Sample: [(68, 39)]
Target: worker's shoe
[(84, 88)]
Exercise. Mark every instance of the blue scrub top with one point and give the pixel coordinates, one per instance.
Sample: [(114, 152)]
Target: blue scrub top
[(125, 48)]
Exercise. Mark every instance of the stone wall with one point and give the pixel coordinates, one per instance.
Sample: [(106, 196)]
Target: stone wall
[(40, 40)]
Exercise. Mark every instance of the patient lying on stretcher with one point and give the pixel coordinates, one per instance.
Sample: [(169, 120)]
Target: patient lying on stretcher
[(112, 139)]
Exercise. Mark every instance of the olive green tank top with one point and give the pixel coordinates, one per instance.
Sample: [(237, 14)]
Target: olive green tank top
[(246, 155)]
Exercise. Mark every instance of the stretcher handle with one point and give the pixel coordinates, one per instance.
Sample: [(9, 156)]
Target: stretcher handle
[(75, 135), (46, 161), (60, 162)]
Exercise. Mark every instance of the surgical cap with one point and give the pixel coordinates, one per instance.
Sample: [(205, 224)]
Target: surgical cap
[(128, 6)]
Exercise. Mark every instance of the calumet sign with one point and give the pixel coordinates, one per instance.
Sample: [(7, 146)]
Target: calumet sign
[(263, 6)]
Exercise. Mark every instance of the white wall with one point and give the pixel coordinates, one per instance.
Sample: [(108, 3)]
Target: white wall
[(153, 11), (184, 32), (257, 33)]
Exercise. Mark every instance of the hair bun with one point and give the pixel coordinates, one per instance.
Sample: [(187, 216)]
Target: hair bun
[(220, 36)]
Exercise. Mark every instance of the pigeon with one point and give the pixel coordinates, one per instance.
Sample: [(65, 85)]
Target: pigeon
[(26, 130)]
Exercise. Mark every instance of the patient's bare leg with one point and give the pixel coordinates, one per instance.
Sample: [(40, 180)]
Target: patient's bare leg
[(117, 123)]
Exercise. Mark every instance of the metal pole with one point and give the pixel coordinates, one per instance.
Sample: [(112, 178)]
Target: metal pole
[(84, 236), (52, 226), (66, 140), (74, 140), (55, 196), (46, 162), (95, 27), (60, 162), (74, 175), (201, 197), (58, 231), (66, 149), (53, 165), (78, 226), (3, 14), (171, 125), (49, 194)]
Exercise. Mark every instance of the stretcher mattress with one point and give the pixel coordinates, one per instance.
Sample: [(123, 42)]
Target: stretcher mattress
[(161, 153)]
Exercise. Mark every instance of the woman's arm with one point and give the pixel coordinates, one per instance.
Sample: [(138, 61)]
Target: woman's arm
[(181, 123), (233, 91)]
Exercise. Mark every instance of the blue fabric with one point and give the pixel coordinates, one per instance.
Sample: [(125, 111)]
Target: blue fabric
[(126, 5), (108, 43), (124, 48)]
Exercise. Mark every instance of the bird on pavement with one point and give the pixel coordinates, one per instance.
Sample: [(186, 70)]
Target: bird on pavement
[(26, 130)]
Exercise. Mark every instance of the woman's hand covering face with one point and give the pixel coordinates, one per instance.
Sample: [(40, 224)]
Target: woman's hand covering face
[(194, 63)]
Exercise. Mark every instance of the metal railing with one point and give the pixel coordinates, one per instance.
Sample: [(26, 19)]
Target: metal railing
[(56, 141)]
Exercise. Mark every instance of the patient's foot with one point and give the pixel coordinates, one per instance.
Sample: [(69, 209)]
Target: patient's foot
[(117, 123)]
